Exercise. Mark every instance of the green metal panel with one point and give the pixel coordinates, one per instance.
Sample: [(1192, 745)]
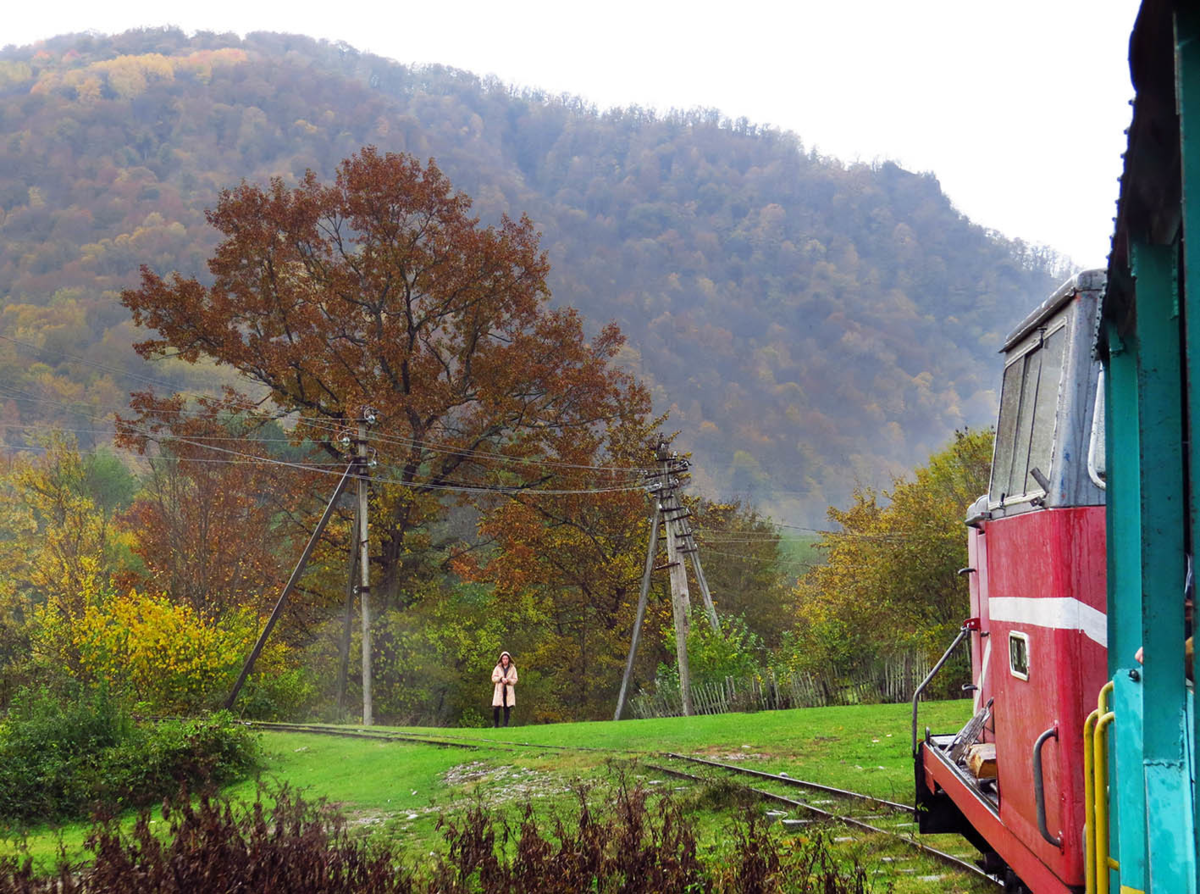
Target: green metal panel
[(1127, 785), (1170, 847), (1123, 514), (1124, 524), (1187, 79)]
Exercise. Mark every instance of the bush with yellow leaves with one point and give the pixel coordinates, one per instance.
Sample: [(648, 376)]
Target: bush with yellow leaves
[(171, 660)]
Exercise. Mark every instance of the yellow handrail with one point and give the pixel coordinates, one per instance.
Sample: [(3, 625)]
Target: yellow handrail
[(1100, 798), (1095, 796), (1089, 804)]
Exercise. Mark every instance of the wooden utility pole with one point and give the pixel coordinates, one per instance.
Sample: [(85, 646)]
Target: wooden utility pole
[(670, 512), (680, 599), (367, 417), (709, 608), (348, 618)]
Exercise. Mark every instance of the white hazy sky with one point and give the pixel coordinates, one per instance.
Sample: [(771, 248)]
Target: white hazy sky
[(1018, 107)]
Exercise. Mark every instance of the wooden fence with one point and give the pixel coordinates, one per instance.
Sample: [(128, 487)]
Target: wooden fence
[(885, 681)]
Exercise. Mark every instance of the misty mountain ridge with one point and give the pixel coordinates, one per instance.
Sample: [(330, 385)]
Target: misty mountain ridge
[(809, 324)]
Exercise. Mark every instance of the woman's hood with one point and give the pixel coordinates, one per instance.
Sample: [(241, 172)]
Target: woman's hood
[(501, 658)]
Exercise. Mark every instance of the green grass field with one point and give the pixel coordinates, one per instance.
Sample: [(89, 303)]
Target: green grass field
[(400, 789)]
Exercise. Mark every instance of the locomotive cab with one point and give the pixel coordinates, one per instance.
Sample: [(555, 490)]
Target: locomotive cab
[(1009, 781)]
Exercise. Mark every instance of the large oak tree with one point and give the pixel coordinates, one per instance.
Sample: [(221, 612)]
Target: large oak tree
[(381, 289)]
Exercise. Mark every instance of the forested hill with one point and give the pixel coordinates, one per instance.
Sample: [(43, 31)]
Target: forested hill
[(807, 323)]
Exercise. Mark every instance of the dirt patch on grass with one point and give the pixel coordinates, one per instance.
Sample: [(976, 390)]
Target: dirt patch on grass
[(465, 774), (500, 785)]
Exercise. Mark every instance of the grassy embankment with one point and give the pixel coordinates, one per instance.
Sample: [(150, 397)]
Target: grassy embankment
[(399, 789)]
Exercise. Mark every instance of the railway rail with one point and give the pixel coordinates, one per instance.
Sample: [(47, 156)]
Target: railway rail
[(882, 808), (890, 809), (450, 741)]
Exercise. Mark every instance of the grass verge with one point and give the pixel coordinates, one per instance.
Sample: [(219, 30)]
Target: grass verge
[(399, 790)]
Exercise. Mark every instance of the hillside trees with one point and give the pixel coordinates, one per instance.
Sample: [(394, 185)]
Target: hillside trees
[(890, 578), (380, 290), (746, 570), (73, 546), (61, 542), (785, 307)]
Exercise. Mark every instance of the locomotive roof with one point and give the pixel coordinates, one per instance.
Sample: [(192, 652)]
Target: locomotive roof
[(1084, 281), (1149, 203)]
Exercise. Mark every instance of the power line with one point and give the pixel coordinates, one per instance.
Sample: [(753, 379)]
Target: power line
[(457, 487), (435, 448), (19, 395), (328, 425)]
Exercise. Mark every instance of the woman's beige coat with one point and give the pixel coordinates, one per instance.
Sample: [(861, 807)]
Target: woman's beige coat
[(504, 680)]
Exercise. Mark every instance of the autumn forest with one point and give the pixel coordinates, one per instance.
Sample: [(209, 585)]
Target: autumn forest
[(217, 252)]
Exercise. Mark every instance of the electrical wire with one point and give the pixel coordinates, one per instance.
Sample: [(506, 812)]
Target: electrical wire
[(327, 425), (457, 487), (434, 448)]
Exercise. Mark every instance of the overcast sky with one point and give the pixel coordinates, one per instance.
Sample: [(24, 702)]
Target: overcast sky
[(1018, 107)]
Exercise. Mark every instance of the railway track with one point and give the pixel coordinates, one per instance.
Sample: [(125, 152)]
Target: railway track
[(866, 813), (447, 740), (886, 818), (352, 733)]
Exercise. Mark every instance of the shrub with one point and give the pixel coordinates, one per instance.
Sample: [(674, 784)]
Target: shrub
[(635, 846), (63, 755), (171, 659), (166, 657), (210, 846), (734, 651)]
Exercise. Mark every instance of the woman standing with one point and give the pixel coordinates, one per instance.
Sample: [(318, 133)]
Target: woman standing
[(505, 677)]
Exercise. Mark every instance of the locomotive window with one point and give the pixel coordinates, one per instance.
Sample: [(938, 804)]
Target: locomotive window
[(1029, 384), (1045, 407), (1097, 448), (1018, 655), (1010, 401), (1028, 407)]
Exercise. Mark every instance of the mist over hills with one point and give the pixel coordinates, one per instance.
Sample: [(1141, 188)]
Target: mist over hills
[(807, 323)]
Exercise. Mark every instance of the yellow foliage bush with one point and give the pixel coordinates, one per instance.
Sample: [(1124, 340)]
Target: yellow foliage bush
[(170, 658)]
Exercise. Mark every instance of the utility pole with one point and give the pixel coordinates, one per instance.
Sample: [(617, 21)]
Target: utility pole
[(677, 574), (348, 618), (669, 511), (366, 417), (680, 529), (709, 608)]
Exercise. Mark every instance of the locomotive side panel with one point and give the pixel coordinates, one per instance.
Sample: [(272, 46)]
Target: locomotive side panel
[(1047, 632)]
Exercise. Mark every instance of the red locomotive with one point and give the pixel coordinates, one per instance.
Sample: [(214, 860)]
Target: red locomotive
[(1082, 553), (1037, 628)]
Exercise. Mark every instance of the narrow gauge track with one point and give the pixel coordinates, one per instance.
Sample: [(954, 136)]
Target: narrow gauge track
[(450, 741), (796, 783), (478, 743), (860, 823), (355, 734)]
